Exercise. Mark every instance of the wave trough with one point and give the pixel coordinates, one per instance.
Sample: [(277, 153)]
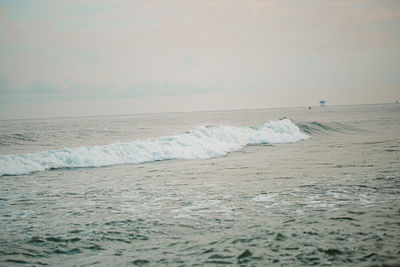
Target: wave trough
[(201, 143)]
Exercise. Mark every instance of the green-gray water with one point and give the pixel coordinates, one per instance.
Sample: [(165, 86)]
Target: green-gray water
[(332, 199)]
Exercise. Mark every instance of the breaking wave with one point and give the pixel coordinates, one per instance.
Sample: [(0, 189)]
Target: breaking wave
[(201, 143)]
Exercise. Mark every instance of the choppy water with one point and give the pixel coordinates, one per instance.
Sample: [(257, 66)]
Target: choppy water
[(332, 199)]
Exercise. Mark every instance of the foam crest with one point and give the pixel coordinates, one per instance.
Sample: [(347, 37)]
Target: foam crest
[(202, 143)]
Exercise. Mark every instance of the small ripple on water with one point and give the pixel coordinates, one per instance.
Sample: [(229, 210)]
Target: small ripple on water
[(140, 262)]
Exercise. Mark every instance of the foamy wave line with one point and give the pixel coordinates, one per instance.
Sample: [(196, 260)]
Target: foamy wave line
[(202, 143)]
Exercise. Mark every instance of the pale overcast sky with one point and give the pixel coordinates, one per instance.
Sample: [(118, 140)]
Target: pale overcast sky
[(94, 57)]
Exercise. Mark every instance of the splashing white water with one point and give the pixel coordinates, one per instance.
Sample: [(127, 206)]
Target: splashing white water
[(202, 143)]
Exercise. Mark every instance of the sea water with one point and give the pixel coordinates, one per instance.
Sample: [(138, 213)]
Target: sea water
[(283, 187)]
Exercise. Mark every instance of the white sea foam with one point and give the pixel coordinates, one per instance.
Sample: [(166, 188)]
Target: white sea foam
[(202, 143)]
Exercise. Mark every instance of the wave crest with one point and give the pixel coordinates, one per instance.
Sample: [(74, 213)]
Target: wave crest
[(201, 143)]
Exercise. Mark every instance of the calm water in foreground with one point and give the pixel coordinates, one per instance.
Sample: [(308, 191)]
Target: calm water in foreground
[(222, 194)]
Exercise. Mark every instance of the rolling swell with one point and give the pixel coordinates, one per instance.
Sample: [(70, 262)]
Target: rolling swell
[(17, 138), (202, 143), (316, 127)]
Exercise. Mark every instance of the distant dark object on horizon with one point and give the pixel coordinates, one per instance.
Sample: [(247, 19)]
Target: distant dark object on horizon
[(397, 101), (322, 103), (309, 107)]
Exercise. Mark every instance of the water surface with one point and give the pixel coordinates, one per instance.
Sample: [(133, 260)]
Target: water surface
[(332, 199)]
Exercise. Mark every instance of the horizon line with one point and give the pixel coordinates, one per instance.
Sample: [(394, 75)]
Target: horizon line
[(189, 111)]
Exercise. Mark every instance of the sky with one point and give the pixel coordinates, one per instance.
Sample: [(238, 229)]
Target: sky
[(97, 57)]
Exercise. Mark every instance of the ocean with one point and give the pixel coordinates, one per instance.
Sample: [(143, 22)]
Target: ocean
[(265, 187)]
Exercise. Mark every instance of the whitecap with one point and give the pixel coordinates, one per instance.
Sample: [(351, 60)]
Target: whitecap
[(201, 143)]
